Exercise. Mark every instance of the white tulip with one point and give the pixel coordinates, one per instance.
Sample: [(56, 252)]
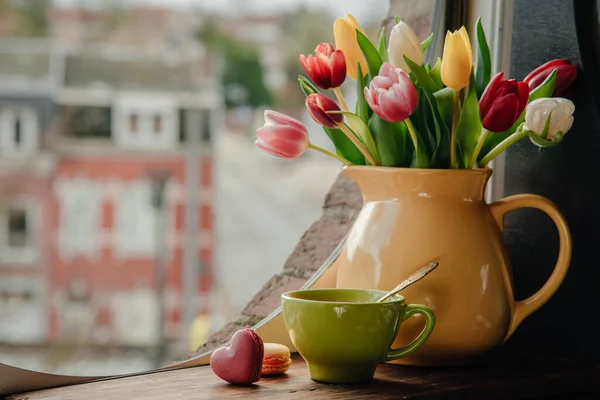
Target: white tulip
[(404, 42), (561, 120)]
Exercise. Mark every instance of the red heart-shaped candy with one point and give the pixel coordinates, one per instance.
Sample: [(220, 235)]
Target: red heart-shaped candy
[(240, 362)]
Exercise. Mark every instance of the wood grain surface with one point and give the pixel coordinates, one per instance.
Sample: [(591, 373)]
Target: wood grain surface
[(503, 375)]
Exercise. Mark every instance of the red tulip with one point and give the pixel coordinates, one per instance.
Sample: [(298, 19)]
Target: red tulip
[(327, 68), (502, 103), (391, 95), (282, 136), (565, 75), (318, 108)]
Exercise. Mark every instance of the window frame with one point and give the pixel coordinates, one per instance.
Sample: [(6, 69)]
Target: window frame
[(28, 254), (29, 123)]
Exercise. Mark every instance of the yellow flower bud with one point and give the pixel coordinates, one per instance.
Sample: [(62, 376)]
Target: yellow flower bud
[(344, 31), (457, 60)]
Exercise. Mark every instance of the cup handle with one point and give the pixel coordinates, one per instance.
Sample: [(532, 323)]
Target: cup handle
[(522, 309), (410, 310)]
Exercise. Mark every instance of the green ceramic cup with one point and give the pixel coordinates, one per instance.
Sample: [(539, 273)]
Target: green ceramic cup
[(343, 334)]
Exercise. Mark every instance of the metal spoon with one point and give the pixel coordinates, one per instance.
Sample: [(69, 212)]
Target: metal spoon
[(417, 276)]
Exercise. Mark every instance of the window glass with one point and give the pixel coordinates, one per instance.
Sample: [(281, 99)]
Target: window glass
[(137, 216)]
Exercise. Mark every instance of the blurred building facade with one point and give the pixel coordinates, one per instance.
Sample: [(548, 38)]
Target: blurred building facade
[(100, 148)]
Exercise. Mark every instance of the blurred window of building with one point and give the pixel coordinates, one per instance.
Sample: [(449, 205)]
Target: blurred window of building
[(136, 324), (80, 217), (17, 234), (18, 131), (138, 118), (135, 220), (157, 123), (22, 310), (133, 123)]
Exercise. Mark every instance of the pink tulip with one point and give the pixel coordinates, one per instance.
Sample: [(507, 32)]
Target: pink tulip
[(282, 136), (319, 106), (391, 95), (327, 68)]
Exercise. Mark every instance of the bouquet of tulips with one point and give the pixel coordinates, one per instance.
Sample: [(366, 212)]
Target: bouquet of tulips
[(452, 114)]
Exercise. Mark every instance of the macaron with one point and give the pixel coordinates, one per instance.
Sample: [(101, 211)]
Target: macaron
[(241, 362), (276, 359)]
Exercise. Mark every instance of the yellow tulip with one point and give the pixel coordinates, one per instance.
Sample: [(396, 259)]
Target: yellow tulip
[(457, 60), (344, 31)]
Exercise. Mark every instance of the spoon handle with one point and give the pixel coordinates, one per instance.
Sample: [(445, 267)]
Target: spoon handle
[(420, 274)]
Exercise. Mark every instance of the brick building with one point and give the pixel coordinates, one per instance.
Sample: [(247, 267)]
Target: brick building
[(91, 243)]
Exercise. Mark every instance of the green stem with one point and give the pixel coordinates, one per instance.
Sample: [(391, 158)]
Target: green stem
[(478, 148), (357, 143), (330, 154), (413, 134), (453, 163), (519, 134), (340, 96)]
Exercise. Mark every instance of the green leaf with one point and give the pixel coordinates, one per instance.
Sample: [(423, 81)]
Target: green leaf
[(362, 107), (420, 155), (307, 87), (397, 19), (344, 146), (483, 66), (370, 52), (469, 125), (382, 49), (445, 102), (422, 119), (544, 90), (436, 74), (362, 132), (441, 155), (391, 139), (425, 44)]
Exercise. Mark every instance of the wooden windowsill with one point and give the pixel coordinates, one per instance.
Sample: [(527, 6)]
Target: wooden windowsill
[(503, 375)]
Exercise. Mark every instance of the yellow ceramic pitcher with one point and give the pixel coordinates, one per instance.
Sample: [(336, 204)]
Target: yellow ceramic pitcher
[(411, 217)]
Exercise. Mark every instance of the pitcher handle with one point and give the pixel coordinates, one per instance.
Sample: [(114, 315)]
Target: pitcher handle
[(522, 309)]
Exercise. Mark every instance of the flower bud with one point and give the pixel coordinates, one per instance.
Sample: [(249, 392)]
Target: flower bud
[(404, 42), (282, 136), (326, 68), (318, 107), (391, 94), (457, 60), (559, 110)]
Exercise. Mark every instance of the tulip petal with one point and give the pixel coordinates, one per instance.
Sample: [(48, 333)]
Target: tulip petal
[(387, 70), (318, 106), (406, 91), (404, 41), (501, 115), (565, 75), (488, 96), (467, 43), (282, 141), (345, 40), (382, 82), (277, 118), (371, 97), (523, 93), (392, 108), (337, 65), (549, 66), (325, 48), (456, 61)]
